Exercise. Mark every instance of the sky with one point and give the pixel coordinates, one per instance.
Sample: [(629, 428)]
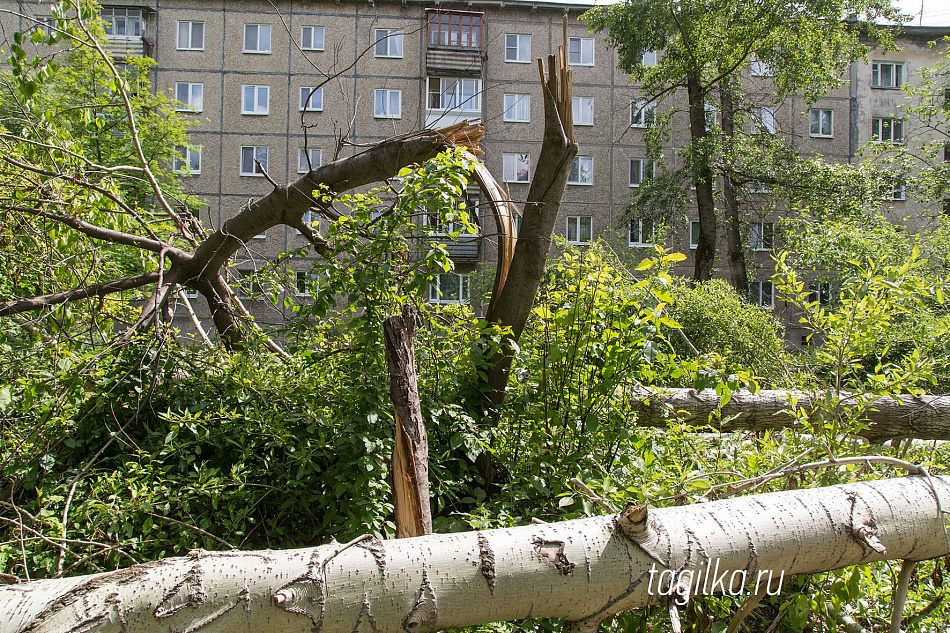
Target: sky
[(936, 12)]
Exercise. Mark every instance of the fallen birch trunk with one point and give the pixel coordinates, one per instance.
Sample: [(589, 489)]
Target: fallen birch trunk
[(922, 417), (583, 570)]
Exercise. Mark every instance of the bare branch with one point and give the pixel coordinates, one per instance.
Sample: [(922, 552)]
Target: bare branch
[(76, 294)]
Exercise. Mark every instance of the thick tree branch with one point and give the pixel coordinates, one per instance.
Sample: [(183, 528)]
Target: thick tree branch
[(76, 294)]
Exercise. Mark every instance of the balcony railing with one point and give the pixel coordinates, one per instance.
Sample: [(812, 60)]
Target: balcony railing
[(455, 42)]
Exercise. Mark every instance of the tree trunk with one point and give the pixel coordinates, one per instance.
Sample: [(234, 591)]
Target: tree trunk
[(924, 417), (583, 571), (703, 179), (514, 302), (735, 256), (410, 463)]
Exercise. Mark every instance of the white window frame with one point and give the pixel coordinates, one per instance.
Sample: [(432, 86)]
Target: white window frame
[(759, 68), (817, 117), (762, 236), (194, 96), (521, 49), (648, 59), (257, 152), (897, 191), (515, 102), (579, 165), (189, 33), (637, 232), (301, 278), (316, 156), (311, 99), (579, 224), (129, 16), (453, 95), (642, 113), (580, 51), (693, 233), (758, 295), (710, 116), (259, 43), (387, 111), (388, 43), (312, 218), (182, 163), (435, 289), (878, 124), (312, 45), (252, 287), (820, 292), (763, 120), (896, 71), (643, 165), (516, 167), (581, 106), (256, 108)]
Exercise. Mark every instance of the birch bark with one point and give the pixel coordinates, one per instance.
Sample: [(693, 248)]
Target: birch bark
[(582, 571)]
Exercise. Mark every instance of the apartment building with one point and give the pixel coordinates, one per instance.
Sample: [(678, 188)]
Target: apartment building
[(274, 86)]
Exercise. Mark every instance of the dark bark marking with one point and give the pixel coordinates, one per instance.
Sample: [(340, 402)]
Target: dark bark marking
[(366, 612), (554, 552), (187, 593), (378, 550), (304, 596), (424, 614), (487, 559)]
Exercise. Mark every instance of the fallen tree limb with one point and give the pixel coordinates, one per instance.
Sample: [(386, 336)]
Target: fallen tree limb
[(922, 417), (583, 571)]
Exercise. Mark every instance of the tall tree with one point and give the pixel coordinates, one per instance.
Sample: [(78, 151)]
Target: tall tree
[(704, 47)]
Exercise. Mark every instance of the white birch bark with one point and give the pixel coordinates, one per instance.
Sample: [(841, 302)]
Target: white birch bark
[(583, 570)]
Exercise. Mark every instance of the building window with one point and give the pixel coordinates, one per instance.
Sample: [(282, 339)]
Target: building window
[(516, 167), (257, 38), (761, 236), (759, 68), (311, 99), (388, 43), (248, 284), (820, 293), (582, 171), (642, 113), (122, 21), (760, 293), (648, 59), (694, 234), (387, 104), (763, 120), (253, 161), (302, 283), (579, 229), (641, 170), (255, 99), (449, 288), (580, 51), (887, 75), (450, 93), (517, 108), (821, 123), (191, 97), (311, 38), (518, 48), (887, 130), (710, 112), (895, 191), (583, 110), (641, 232), (455, 28), (310, 218), (187, 159), (191, 36), (303, 155)]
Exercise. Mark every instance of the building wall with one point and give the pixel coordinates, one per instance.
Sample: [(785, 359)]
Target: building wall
[(224, 68)]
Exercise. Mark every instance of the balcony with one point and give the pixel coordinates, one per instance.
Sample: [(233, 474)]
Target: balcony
[(454, 42), (125, 29)]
